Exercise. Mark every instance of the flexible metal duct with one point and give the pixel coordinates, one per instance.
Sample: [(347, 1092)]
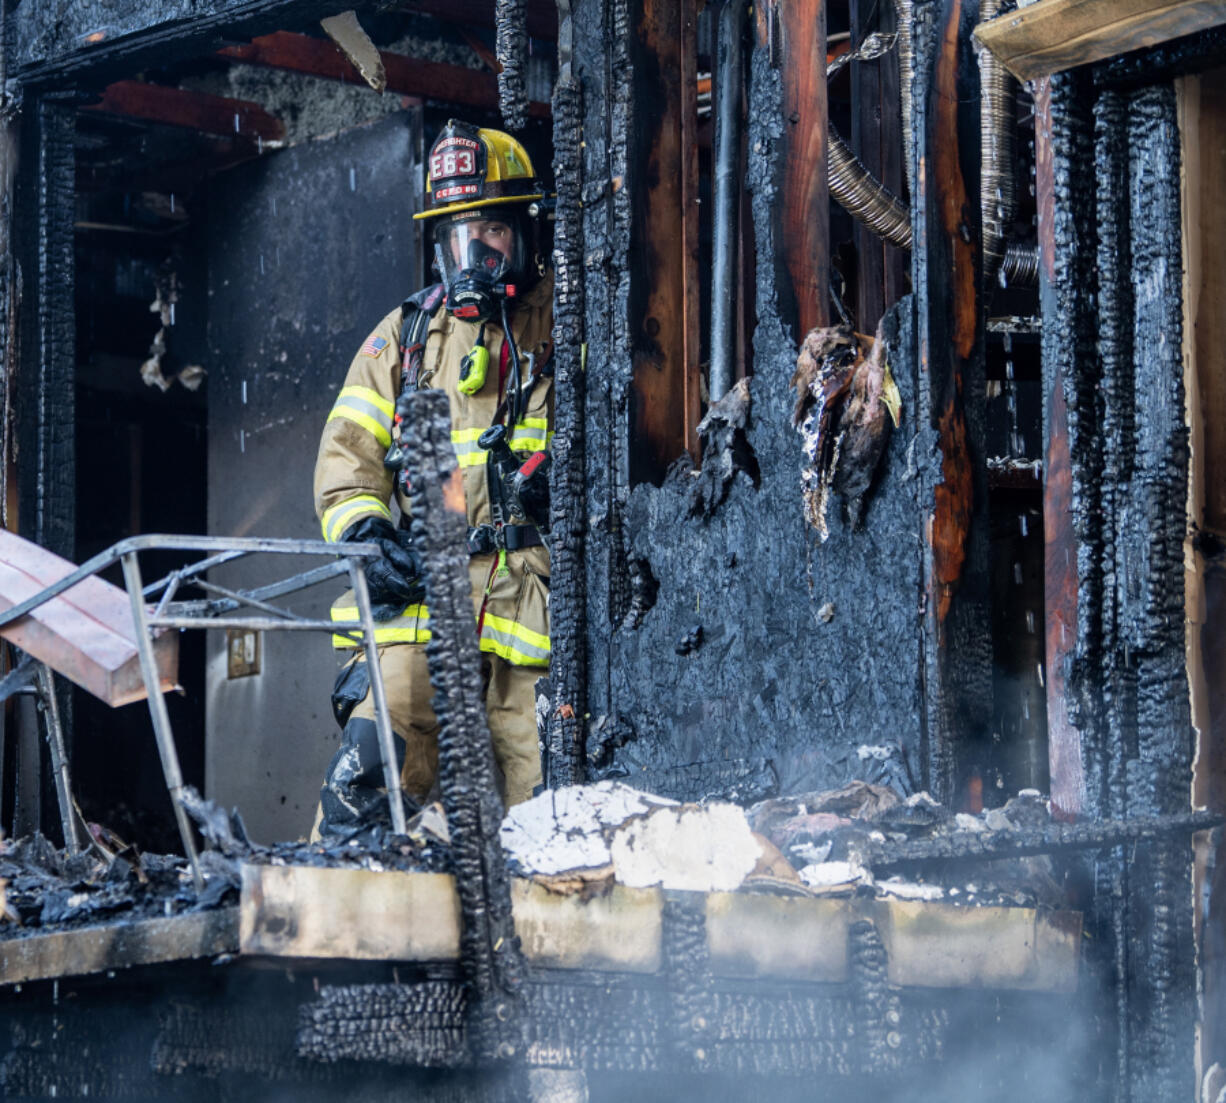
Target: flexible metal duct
[(868, 201), (997, 203), (864, 197)]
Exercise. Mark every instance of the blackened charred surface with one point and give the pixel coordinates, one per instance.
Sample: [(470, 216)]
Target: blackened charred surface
[(106, 43), (774, 693), (511, 45), (44, 407), (1191, 54), (568, 666), (687, 971), (489, 946), (1113, 366), (603, 31), (957, 645), (1150, 526)]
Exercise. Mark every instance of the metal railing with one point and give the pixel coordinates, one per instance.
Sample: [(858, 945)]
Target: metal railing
[(211, 613)]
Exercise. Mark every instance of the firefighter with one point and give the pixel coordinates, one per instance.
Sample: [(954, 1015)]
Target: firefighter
[(482, 336)]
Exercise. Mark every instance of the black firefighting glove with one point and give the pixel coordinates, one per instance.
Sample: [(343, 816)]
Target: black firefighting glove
[(395, 578)]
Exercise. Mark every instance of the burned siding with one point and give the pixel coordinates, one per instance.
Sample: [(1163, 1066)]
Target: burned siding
[(1114, 386)]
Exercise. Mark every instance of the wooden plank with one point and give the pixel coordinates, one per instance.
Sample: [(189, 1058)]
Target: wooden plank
[(309, 912), (935, 945), (300, 911), (1060, 581), (665, 384), (405, 75), (86, 634), (1052, 35), (157, 103), (118, 945), (805, 236)]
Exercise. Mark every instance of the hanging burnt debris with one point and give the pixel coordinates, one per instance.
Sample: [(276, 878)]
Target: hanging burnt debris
[(882, 668)]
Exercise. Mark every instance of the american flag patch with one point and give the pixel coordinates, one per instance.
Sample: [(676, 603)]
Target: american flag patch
[(374, 345)]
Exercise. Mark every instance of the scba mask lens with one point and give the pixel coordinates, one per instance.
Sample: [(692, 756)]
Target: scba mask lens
[(478, 258)]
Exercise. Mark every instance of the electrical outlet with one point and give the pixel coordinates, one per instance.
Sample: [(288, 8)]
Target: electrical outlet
[(242, 652)]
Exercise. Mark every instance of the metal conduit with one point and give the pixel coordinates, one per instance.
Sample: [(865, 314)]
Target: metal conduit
[(729, 78)]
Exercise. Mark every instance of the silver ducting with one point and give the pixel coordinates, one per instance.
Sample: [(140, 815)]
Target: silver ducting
[(902, 12), (864, 197), (997, 203)]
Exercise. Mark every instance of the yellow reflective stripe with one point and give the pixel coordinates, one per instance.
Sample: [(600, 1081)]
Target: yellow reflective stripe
[(343, 514), (375, 428), (411, 626), (527, 436), (365, 394), (514, 642), (468, 452)]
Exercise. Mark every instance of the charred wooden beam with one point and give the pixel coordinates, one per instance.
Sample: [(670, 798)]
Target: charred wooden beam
[(489, 947), (946, 263), (1060, 560), (405, 75), (666, 369), (101, 44), (565, 726), (157, 103)]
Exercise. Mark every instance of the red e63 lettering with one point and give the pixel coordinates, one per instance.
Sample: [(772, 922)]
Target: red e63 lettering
[(452, 162)]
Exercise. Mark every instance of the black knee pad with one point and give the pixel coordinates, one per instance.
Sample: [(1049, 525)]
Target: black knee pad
[(352, 685)]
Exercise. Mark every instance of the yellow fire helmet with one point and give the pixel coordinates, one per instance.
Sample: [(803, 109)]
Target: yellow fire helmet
[(472, 168)]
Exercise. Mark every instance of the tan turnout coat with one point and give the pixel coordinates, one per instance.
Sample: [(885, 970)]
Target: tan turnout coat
[(351, 483)]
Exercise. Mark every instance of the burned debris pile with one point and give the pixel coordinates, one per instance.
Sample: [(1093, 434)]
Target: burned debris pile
[(42, 887), (838, 842)]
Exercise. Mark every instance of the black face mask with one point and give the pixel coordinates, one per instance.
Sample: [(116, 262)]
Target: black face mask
[(474, 293)]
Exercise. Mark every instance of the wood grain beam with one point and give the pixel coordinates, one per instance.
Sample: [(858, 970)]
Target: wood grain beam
[(406, 76), (805, 236), (666, 368), (158, 103), (1053, 35)]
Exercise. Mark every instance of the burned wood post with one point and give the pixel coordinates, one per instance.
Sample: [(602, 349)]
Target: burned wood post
[(946, 263), (564, 724), (489, 947)]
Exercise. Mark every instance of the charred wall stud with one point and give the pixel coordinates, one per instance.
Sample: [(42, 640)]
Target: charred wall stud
[(511, 47), (564, 729), (945, 273), (490, 949)]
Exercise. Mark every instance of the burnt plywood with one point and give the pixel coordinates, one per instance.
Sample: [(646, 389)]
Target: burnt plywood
[(86, 634)]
